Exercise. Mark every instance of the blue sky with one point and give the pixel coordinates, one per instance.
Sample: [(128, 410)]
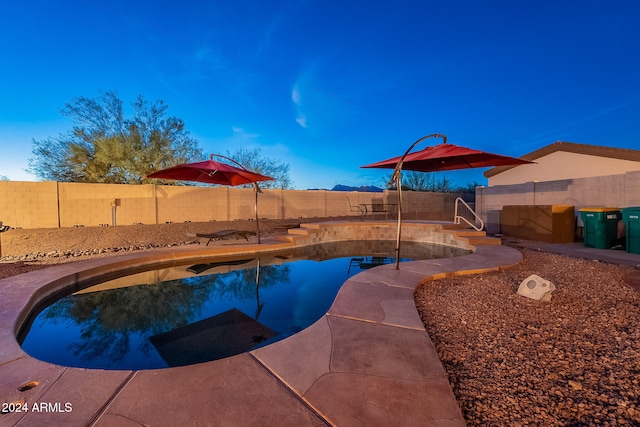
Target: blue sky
[(328, 86)]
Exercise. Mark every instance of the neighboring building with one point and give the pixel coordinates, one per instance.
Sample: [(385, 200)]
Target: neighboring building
[(566, 160)]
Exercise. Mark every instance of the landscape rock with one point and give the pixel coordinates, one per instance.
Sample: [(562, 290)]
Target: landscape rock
[(537, 288)]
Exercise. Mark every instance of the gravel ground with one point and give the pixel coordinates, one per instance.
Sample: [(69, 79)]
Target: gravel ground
[(24, 250), (511, 361)]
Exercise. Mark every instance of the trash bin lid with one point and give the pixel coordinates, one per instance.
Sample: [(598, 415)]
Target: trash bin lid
[(631, 209), (601, 209)]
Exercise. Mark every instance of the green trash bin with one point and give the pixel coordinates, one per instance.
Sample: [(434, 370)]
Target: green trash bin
[(600, 226), (631, 218)]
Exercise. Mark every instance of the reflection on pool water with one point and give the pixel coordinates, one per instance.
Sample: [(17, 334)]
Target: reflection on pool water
[(189, 314)]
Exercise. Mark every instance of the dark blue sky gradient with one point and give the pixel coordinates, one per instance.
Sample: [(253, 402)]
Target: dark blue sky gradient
[(328, 86)]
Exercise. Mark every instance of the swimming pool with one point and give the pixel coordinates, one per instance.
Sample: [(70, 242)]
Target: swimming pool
[(185, 314)]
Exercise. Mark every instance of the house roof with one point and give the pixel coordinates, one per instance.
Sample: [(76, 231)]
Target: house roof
[(572, 147)]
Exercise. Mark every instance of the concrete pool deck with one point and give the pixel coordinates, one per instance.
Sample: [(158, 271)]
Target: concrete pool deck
[(368, 361)]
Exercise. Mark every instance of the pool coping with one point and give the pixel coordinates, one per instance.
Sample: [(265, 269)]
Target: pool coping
[(367, 361)]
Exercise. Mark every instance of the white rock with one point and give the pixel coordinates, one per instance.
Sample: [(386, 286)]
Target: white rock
[(535, 287)]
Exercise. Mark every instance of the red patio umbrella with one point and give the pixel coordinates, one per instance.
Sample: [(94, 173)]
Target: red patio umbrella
[(446, 157), (213, 172), (435, 159)]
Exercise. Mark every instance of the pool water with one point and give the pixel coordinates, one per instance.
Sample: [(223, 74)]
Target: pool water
[(187, 314)]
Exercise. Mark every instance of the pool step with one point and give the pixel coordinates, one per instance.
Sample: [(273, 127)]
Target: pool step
[(484, 240), (474, 237), (303, 231), (294, 234)]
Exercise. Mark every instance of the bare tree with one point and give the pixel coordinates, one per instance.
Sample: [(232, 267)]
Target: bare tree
[(424, 181), (256, 162)]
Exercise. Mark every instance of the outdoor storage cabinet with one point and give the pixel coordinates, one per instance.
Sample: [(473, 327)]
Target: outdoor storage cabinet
[(540, 223), (631, 218), (600, 226)]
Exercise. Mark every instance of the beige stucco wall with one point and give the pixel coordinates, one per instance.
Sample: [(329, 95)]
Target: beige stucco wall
[(52, 204), (563, 165), (32, 204), (614, 191), (83, 204)]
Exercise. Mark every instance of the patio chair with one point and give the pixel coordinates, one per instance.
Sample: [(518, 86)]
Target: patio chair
[(356, 208), (378, 206), (224, 235)]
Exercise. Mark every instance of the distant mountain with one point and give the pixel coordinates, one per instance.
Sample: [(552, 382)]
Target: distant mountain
[(364, 188)]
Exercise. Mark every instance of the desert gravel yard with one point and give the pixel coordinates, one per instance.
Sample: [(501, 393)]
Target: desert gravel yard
[(514, 361)]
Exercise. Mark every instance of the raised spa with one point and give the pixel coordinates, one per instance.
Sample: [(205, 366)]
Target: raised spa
[(185, 314)]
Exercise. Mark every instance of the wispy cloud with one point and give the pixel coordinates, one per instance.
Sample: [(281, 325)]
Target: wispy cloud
[(240, 134), (296, 97), (205, 59), (302, 120)]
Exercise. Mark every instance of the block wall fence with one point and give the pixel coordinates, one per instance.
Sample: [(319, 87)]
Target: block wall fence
[(611, 191), (60, 204)]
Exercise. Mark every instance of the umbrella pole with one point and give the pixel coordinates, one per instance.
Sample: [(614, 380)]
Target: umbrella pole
[(256, 209), (398, 180), (259, 306), (399, 221)]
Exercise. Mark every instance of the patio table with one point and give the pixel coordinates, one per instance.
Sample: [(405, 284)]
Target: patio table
[(374, 208)]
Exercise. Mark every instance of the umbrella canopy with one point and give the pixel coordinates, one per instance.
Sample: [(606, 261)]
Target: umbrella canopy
[(444, 157), (213, 172), (210, 172), (434, 159)]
